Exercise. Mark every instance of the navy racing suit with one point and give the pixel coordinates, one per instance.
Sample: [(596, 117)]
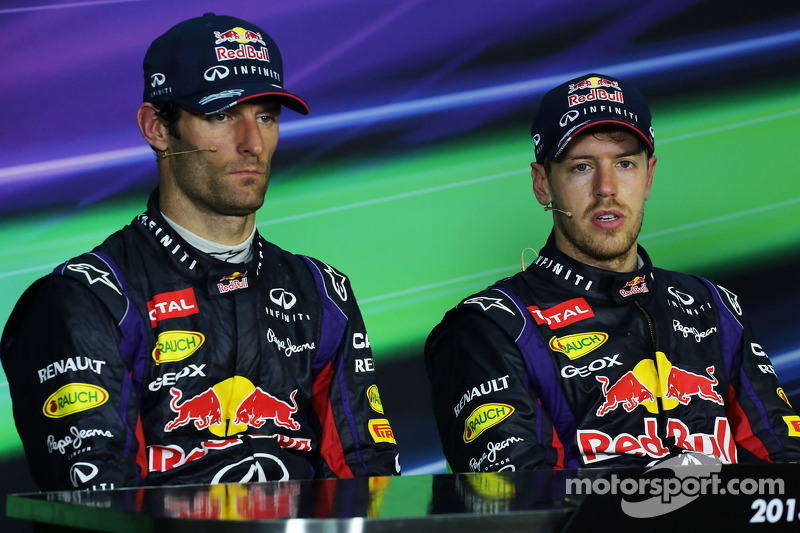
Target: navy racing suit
[(566, 365), (146, 361)]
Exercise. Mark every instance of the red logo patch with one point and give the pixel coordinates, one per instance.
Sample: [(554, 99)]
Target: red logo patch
[(563, 314), (171, 305)]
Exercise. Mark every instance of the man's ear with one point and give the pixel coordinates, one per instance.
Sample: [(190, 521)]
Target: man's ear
[(541, 187), (152, 126)]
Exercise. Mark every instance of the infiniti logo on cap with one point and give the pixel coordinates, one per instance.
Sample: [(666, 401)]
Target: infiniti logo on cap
[(216, 72)]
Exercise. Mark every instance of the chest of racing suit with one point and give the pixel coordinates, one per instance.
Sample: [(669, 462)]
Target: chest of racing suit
[(165, 365), (569, 365)]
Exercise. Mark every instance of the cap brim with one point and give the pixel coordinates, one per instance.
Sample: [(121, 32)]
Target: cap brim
[(622, 123), (240, 94)]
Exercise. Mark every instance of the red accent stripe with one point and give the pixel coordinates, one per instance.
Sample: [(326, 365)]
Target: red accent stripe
[(742, 431), (141, 453), (330, 443), (559, 449)]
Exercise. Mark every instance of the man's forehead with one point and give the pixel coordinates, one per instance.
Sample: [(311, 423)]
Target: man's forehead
[(627, 141)]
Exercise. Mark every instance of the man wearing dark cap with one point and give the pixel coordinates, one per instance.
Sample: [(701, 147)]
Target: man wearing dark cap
[(186, 348), (591, 356)]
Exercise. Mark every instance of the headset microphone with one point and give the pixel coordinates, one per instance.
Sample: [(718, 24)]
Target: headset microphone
[(551, 208), (165, 154)]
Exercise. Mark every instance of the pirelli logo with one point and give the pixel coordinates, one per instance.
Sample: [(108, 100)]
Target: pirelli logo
[(381, 431)]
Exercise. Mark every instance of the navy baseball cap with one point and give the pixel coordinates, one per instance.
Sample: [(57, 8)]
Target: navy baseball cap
[(586, 101), (210, 63)]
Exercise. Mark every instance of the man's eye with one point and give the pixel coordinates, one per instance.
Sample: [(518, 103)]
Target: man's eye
[(626, 164), (219, 117), (581, 167)]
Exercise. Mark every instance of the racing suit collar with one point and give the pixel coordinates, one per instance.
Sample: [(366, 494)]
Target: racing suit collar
[(594, 282), (220, 277)]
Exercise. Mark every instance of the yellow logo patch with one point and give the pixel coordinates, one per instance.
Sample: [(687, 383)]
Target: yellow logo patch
[(74, 398), (793, 423), (174, 346), (381, 431), (374, 399), (484, 417), (579, 344)]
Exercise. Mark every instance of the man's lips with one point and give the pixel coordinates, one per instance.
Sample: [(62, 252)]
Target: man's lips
[(608, 219)]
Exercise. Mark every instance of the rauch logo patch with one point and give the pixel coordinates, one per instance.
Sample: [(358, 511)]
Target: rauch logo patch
[(484, 417), (176, 345), (579, 344), (74, 398)]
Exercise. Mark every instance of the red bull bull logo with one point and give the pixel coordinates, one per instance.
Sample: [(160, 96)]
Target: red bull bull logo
[(204, 410), (232, 406), (239, 35), (593, 82), (682, 385), (261, 406), (628, 391)]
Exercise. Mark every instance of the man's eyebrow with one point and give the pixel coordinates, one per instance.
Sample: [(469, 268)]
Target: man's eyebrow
[(574, 157)]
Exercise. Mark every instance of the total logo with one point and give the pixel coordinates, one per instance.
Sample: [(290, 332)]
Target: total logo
[(563, 314), (172, 305), (649, 381), (244, 405)]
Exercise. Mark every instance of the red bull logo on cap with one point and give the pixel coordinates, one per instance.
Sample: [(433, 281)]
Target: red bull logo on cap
[(239, 35), (593, 82)]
